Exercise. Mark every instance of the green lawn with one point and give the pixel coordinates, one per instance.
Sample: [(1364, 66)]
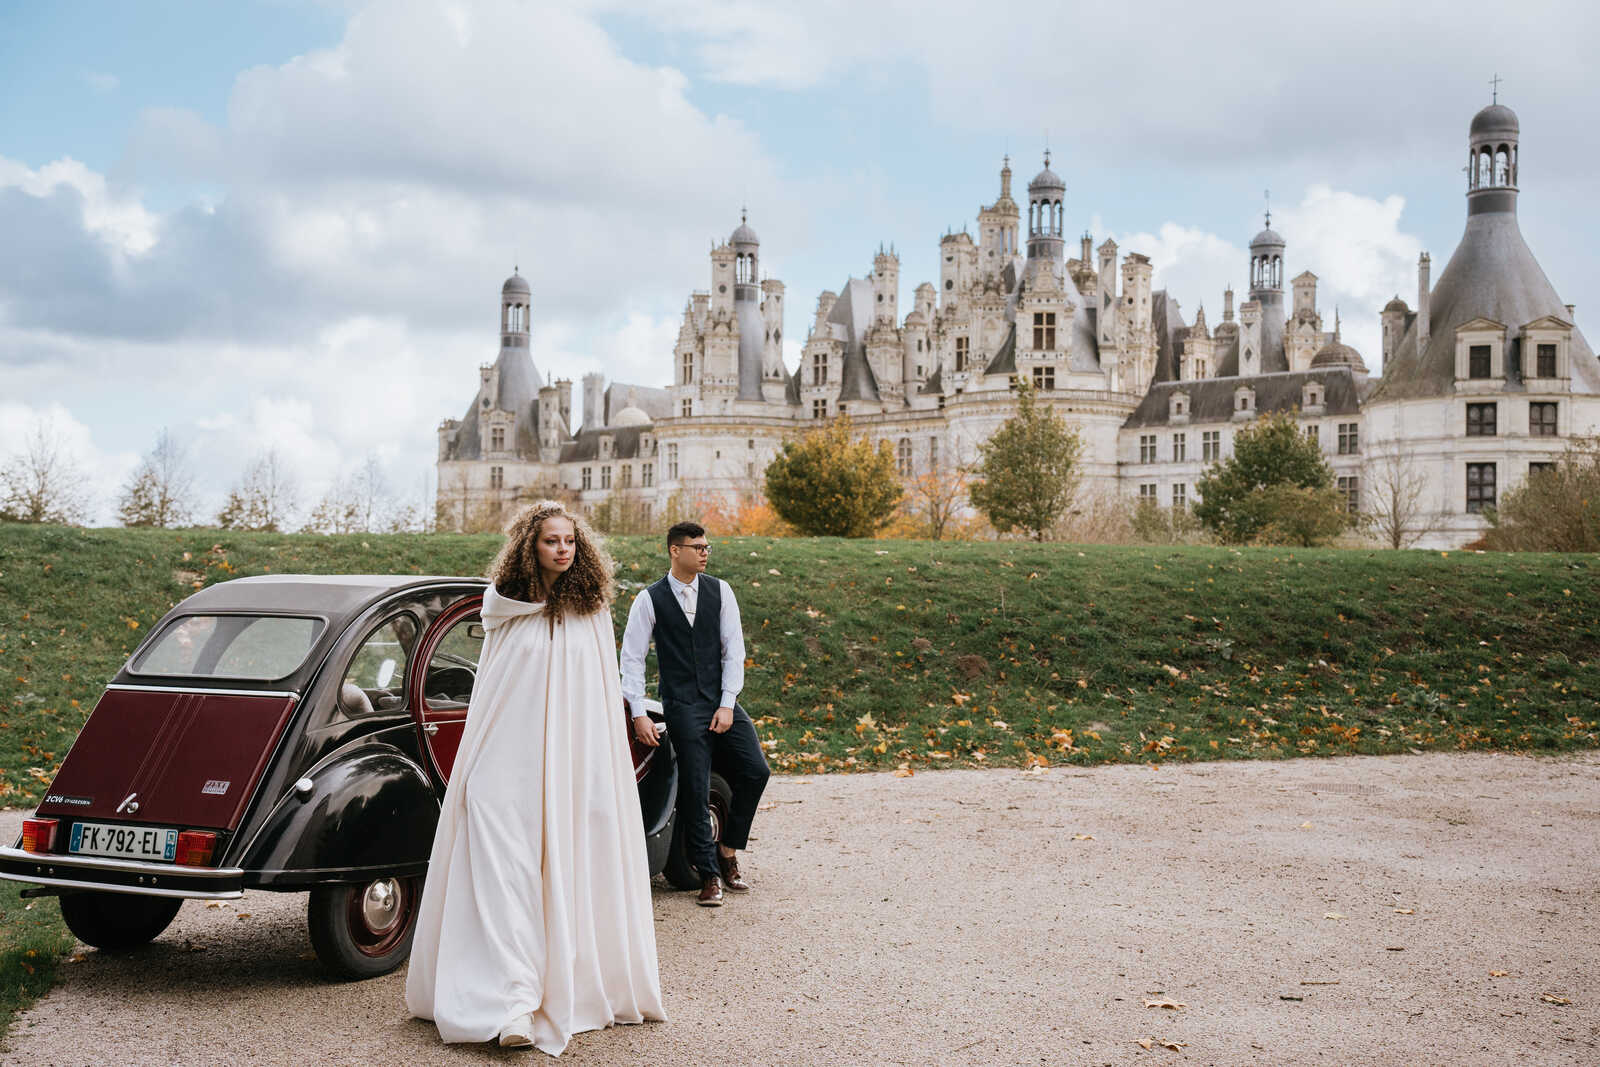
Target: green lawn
[(877, 654)]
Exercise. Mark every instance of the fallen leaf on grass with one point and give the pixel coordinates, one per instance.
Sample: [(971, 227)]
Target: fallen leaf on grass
[(1551, 998), (1173, 1005)]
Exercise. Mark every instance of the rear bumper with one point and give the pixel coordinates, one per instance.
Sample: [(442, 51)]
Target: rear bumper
[(66, 872)]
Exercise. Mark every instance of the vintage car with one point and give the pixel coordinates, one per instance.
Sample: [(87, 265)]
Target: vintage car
[(287, 733)]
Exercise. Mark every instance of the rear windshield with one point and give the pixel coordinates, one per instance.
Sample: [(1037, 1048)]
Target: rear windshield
[(262, 647)]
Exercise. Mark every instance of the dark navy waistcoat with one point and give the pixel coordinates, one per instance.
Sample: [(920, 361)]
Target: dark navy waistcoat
[(689, 659)]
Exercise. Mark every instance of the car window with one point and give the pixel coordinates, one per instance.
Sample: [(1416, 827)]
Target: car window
[(262, 647), (376, 677), (453, 667)]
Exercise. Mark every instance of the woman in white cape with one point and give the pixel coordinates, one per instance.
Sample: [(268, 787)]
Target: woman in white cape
[(536, 921)]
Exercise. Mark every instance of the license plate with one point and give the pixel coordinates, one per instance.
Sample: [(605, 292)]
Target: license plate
[(132, 842)]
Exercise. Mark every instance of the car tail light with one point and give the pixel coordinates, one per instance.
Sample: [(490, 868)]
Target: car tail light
[(39, 835), (195, 847)]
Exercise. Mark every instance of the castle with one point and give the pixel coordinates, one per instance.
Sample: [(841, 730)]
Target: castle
[(1483, 382)]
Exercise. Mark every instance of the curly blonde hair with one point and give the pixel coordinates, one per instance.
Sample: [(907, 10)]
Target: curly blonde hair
[(583, 589)]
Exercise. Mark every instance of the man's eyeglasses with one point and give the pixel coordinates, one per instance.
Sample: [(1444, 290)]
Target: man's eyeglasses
[(702, 549)]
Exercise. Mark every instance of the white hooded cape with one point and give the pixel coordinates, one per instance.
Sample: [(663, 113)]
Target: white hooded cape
[(538, 892)]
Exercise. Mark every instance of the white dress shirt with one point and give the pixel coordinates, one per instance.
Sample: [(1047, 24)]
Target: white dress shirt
[(642, 624)]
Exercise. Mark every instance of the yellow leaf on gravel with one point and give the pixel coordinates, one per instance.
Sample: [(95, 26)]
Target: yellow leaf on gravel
[(1551, 998), (1498, 974), (1334, 915), (1174, 1045), (1172, 1005), (1145, 1042), (1305, 826), (1405, 911), (1083, 837)]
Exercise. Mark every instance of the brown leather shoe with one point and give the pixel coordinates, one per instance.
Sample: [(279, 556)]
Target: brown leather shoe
[(710, 892), (731, 877)]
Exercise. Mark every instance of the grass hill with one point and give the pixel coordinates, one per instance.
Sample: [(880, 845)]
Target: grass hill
[(875, 654)]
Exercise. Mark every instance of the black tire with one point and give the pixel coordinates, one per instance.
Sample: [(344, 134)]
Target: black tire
[(116, 922), (679, 871), (364, 930)]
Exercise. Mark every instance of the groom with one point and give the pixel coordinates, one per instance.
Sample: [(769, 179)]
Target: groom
[(694, 621)]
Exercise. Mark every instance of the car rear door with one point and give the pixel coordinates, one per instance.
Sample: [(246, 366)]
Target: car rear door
[(442, 686), (171, 756)]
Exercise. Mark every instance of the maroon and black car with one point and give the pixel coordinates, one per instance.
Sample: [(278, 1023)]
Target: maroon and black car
[(286, 733)]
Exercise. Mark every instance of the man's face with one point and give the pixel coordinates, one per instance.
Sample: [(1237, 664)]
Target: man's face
[(691, 556)]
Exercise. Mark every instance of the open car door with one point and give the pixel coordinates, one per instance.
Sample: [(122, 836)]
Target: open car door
[(447, 661)]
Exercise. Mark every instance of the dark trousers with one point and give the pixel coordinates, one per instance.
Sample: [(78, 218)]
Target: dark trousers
[(736, 755)]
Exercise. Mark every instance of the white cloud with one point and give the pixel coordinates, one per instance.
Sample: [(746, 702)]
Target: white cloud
[(116, 218)]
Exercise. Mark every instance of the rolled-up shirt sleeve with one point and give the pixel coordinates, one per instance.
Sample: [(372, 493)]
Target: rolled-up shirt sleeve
[(635, 647), (732, 648)]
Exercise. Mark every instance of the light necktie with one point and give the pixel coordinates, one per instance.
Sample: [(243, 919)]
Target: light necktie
[(688, 606)]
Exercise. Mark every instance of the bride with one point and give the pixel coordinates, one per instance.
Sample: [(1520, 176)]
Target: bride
[(535, 922)]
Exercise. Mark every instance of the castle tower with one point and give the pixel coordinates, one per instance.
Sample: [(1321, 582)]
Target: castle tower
[(773, 375), (997, 226), (752, 329), (594, 384), (885, 286), (1105, 303), (1045, 196), (515, 299), (1266, 290), (1492, 161)]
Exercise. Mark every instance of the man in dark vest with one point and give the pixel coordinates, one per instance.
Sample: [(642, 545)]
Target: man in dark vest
[(694, 621)]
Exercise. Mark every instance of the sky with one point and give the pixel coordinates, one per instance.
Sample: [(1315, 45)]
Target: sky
[(284, 223)]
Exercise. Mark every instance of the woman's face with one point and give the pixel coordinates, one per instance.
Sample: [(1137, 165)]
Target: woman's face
[(557, 544)]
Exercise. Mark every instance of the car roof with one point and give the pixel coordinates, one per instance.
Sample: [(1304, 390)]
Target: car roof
[(341, 599)]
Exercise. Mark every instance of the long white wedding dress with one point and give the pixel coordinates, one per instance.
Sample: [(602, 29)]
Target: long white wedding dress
[(538, 893)]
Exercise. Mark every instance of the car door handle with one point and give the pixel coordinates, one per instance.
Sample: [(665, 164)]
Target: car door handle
[(430, 728)]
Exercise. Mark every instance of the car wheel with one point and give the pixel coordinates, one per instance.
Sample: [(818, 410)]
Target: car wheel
[(679, 871), (115, 922), (364, 930)]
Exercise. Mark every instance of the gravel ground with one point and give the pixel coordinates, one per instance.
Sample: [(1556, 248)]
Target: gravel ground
[(1398, 910)]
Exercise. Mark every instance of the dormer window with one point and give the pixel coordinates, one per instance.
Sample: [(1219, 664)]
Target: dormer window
[(1311, 397), (1480, 352), (605, 447), (1178, 407), (1545, 346), (1244, 402)]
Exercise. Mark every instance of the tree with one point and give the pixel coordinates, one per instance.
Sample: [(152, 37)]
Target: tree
[(1397, 490), (161, 491), (1554, 510), (831, 483), (264, 498), (933, 504), (42, 482), (1028, 469), (1248, 497)]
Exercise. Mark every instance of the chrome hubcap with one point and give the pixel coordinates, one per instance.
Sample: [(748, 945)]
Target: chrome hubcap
[(380, 904)]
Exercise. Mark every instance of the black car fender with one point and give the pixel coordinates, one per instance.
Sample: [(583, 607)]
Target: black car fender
[(368, 810), (658, 804)]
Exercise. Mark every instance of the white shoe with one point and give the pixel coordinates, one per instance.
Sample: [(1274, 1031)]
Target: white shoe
[(518, 1033)]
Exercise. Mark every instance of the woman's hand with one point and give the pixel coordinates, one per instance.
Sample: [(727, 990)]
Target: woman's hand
[(647, 731)]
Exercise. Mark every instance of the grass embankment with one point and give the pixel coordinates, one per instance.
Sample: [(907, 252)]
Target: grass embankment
[(872, 654), (32, 941)]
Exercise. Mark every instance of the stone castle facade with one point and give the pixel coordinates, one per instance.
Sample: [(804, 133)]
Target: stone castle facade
[(1484, 381)]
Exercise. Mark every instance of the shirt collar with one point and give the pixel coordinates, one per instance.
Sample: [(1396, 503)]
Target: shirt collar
[(678, 587)]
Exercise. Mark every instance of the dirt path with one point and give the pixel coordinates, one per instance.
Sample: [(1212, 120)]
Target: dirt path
[(1337, 911)]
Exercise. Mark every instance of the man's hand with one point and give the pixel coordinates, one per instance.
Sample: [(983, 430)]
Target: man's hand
[(647, 731), (722, 720)]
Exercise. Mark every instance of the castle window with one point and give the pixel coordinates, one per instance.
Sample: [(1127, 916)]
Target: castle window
[(751, 443), (902, 456), (686, 408), (1478, 361), (1044, 377), (1351, 488), (1180, 447), (1180, 496), (627, 476), (605, 477), (819, 408), (672, 462), (1147, 448), (497, 439), (1044, 331), (1313, 432), (1480, 487), (588, 477), (605, 448), (1148, 491), (1199, 368), (647, 474), (1547, 361), (961, 354), (933, 453), (1349, 438), (1540, 468), (949, 283), (497, 477), (1481, 420), (687, 375), (1541, 419), (1211, 446), (819, 368)]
